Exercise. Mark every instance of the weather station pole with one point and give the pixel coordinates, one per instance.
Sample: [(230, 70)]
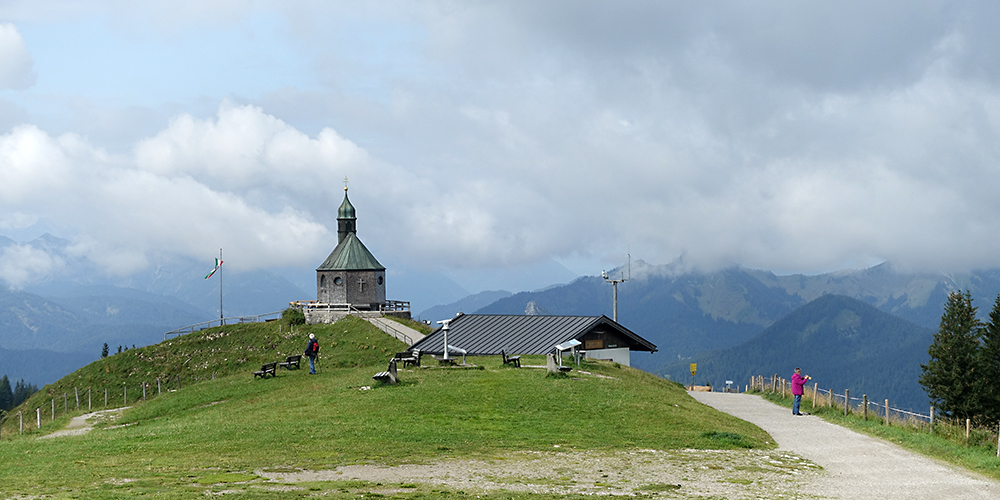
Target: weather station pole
[(444, 331), (614, 287)]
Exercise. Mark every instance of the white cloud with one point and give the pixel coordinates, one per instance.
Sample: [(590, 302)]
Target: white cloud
[(245, 149), (16, 65), (22, 264), (184, 206), (492, 134)]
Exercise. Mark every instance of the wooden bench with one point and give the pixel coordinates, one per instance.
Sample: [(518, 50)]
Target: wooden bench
[(515, 360), (265, 369), (409, 358), (388, 376), (292, 362)]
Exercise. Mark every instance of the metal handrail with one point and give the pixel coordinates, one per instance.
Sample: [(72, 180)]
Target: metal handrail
[(387, 323)]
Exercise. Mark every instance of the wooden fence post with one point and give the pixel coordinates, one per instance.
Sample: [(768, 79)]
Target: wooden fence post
[(864, 401), (105, 397), (20, 417), (38, 417), (53, 408), (65, 403), (158, 392), (968, 427), (125, 394), (178, 381), (815, 390), (831, 398), (887, 412), (89, 407), (847, 400), (144, 390), (932, 419), (76, 392)]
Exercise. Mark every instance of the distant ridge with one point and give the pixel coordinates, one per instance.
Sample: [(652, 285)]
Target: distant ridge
[(469, 304), (687, 312), (841, 342)]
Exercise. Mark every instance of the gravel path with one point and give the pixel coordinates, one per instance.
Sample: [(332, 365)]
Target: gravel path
[(856, 465), (84, 423)]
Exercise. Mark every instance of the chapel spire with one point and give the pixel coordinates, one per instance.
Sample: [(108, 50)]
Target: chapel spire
[(347, 219)]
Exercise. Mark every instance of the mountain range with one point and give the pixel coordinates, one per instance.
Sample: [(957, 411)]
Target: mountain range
[(841, 342), (684, 312), (59, 323), (868, 329)]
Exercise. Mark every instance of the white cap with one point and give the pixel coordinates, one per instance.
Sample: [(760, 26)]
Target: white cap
[(312, 336)]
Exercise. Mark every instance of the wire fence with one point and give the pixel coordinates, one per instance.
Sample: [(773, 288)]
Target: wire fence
[(975, 433), (86, 400)]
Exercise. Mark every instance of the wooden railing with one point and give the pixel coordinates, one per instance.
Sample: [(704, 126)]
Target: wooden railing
[(387, 306)]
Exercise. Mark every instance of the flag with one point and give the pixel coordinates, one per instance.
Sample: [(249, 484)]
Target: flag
[(218, 264)]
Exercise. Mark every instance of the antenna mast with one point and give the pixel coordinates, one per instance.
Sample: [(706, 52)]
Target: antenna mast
[(614, 286)]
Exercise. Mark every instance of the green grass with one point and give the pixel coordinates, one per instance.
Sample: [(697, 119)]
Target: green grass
[(216, 432), (946, 442)]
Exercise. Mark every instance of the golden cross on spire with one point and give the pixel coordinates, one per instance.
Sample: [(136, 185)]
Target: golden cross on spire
[(345, 183)]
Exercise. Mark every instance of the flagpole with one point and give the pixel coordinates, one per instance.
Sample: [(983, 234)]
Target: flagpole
[(220, 287)]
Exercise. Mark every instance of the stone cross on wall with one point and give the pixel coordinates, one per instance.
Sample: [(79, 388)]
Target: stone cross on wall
[(361, 284)]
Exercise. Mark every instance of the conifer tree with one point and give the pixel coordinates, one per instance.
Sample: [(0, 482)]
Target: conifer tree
[(23, 390), (990, 362), (6, 394), (104, 350), (953, 377)]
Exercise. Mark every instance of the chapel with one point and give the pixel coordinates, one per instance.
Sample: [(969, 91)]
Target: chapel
[(350, 275)]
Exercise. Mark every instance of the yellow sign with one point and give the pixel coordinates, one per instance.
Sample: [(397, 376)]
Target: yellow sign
[(694, 368)]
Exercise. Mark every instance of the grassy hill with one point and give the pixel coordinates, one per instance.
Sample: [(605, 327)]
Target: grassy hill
[(223, 429)]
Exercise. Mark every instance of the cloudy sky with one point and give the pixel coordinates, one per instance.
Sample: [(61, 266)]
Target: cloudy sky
[(480, 136)]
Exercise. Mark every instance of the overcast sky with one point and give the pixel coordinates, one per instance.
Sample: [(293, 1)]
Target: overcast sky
[(789, 136)]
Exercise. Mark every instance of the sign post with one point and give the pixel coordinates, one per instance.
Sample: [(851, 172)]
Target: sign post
[(694, 368)]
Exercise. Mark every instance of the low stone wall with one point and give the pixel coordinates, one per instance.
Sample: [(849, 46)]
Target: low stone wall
[(320, 316), (315, 317)]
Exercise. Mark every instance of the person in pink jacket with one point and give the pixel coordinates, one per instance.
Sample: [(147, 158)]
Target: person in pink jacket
[(797, 382)]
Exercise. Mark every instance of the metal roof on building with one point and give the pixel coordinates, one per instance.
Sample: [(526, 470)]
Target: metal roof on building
[(488, 334), (350, 255)]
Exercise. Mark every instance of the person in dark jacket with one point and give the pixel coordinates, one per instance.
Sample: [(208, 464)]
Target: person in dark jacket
[(312, 350)]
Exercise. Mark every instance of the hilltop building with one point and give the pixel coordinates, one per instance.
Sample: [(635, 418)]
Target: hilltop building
[(598, 337), (351, 279), (351, 274)]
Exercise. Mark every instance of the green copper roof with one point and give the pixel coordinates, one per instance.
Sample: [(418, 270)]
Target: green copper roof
[(346, 210), (350, 255)]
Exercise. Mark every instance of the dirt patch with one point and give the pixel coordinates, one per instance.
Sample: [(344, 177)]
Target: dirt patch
[(741, 474)]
